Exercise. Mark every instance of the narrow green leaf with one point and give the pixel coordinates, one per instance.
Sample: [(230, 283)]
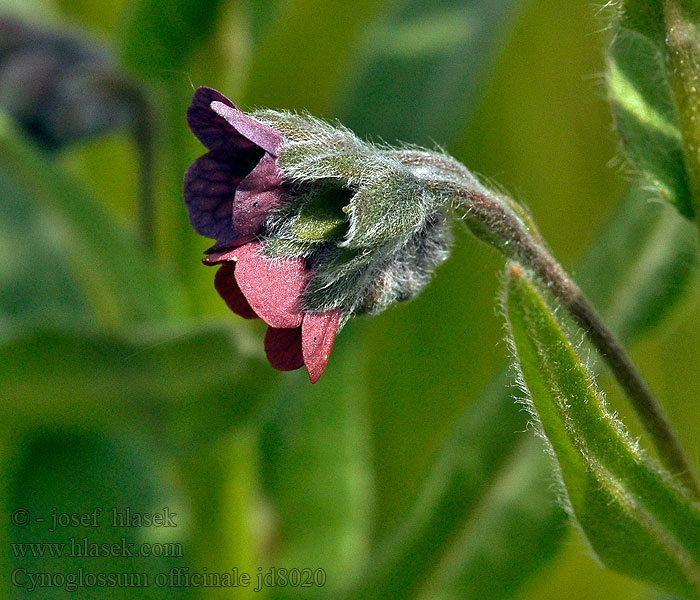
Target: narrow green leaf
[(516, 527), (636, 519), (96, 263), (645, 116), (222, 481)]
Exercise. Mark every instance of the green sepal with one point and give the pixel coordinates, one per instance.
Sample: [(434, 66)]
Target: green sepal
[(324, 217), (636, 518), (390, 208)]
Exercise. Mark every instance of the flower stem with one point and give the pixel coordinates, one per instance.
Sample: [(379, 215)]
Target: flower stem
[(488, 214)]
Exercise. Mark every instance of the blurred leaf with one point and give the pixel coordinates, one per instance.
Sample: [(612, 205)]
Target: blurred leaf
[(637, 271), (86, 259), (225, 509), (641, 265), (644, 16), (321, 36), (60, 474), (470, 486), (645, 116), (634, 516), (422, 66), (316, 465), (157, 37), (515, 531), (180, 384)]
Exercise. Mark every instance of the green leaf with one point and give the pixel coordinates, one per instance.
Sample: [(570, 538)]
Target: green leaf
[(86, 474), (180, 383), (470, 486), (645, 116), (636, 272), (641, 266), (635, 517), (440, 52), (644, 16), (516, 529), (60, 233), (317, 470)]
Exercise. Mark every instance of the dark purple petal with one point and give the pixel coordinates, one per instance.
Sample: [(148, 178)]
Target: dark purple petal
[(209, 187), (257, 195), (317, 337), (283, 348), (272, 287), (212, 130), (225, 283), (261, 135)]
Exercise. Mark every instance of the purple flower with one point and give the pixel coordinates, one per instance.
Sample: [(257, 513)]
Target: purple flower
[(229, 193), (312, 225)]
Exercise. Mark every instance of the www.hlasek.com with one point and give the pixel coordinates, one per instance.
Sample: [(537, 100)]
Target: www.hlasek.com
[(177, 577), (85, 548)]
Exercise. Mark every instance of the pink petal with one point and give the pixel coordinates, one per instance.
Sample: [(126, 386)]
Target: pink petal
[(225, 283), (317, 335), (260, 134), (256, 196), (283, 348), (272, 287)]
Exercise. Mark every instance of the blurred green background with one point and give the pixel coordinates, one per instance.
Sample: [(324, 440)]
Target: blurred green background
[(125, 381)]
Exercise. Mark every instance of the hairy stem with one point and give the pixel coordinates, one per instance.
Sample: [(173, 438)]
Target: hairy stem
[(494, 220)]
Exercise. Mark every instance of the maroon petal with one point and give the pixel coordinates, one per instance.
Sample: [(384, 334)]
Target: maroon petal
[(209, 187), (317, 335), (257, 195), (225, 283), (272, 287), (283, 348), (212, 130), (261, 135)]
